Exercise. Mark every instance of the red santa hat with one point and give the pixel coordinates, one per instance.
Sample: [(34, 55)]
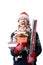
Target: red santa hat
[(23, 14)]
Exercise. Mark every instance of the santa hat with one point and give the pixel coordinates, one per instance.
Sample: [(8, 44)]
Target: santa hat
[(23, 14)]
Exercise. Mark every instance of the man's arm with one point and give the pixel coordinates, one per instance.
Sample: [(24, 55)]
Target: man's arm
[(19, 47), (38, 47), (37, 51), (12, 36)]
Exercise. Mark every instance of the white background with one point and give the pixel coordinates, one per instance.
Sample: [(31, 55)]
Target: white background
[(9, 11)]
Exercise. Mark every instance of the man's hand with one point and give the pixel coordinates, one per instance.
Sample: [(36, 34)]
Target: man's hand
[(19, 47), (30, 60)]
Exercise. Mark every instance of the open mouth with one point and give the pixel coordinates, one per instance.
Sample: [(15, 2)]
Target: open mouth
[(22, 23)]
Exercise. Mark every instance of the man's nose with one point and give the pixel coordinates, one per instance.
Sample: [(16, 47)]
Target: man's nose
[(23, 20)]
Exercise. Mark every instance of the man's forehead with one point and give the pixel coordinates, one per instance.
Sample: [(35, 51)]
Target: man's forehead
[(23, 18)]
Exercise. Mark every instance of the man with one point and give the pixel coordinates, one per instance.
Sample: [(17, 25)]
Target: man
[(21, 51)]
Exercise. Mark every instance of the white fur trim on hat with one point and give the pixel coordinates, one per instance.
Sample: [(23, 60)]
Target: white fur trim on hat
[(23, 15)]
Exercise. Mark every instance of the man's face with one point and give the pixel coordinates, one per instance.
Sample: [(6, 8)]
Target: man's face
[(23, 22)]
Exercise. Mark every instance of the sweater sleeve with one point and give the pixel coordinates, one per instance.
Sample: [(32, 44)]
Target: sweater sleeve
[(38, 48), (12, 52), (12, 36)]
